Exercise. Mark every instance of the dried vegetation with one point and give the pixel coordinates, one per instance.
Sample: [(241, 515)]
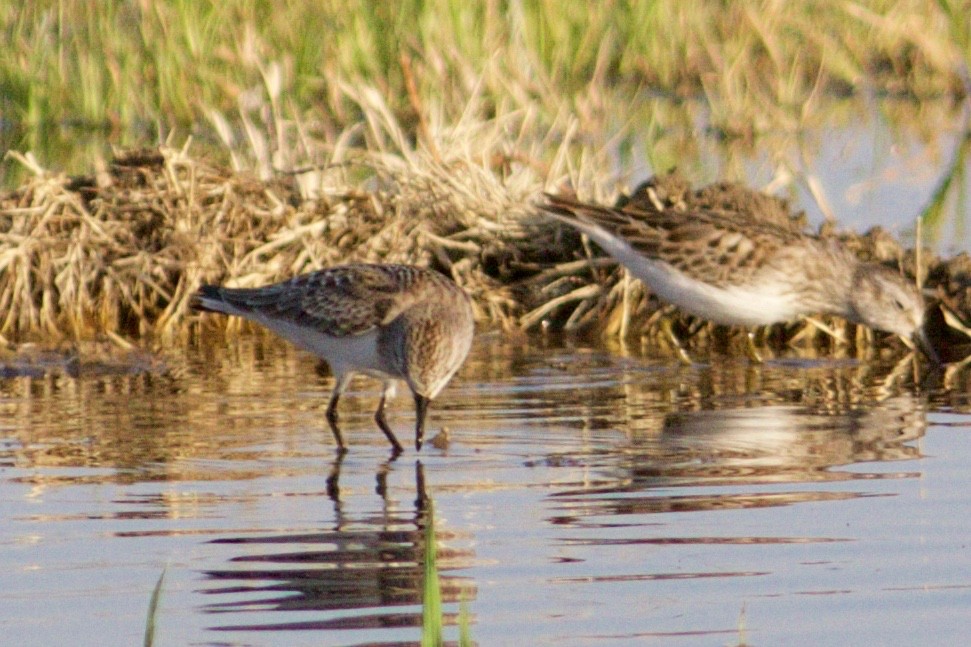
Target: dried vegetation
[(119, 254)]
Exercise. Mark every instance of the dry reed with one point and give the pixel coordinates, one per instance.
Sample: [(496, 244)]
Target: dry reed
[(120, 253)]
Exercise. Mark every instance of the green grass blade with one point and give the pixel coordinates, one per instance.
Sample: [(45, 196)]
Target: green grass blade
[(150, 622), (465, 622), (933, 213), (431, 616)]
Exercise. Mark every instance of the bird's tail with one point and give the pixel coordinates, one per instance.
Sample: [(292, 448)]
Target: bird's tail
[(567, 209), (209, 298)]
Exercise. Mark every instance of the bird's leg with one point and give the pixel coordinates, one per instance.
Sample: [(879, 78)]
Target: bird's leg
[(381, 477), (335, 396), (675, 342), (750, 349), (421, 410), (333, 479), (382, 422), (421, 497)]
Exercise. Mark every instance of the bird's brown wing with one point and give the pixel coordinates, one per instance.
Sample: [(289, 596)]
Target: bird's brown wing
[(709, 246), (341, 301)]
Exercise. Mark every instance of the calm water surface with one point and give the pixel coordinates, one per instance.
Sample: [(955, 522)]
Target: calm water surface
[(586, 497)]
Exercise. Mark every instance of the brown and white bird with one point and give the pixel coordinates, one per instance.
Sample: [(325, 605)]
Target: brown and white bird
[(395, 322), (744, 272)]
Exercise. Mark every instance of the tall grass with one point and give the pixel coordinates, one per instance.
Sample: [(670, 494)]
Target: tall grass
[(125, 64), (151, 619)]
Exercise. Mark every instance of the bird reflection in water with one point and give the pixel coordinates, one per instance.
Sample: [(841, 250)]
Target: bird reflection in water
[(381, 481), (368, 568), (776, 444)]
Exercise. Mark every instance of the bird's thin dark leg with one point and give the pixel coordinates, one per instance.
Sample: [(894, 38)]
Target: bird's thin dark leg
[(333, 479), (421, 497), (381, 476), (421, 410), (383, 423), (335, 396)]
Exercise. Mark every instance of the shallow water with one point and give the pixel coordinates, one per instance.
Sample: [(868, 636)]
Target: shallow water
[(586, 496)]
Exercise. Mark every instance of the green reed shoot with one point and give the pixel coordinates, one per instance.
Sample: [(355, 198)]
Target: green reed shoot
[(431, 615), (151, 621)]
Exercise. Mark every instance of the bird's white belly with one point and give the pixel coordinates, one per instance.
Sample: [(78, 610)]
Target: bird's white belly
[(358, 353), (734, 306)]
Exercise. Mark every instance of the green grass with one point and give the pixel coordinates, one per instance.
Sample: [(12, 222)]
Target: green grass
[(140, 72), (125, 65), (433, 621), (950, 187), (151, 620), (431, 596)]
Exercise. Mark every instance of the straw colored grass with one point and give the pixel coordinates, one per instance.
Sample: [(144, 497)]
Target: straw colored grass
[(124, 251), (121, 253)]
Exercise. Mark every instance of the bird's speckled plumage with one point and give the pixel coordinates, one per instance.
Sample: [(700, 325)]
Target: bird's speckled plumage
[(740, 271), (393, 321)]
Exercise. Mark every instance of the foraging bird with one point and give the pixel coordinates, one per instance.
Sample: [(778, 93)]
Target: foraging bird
[(396, 322), (739, 271)]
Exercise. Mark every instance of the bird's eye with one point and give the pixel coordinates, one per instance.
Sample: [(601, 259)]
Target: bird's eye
[(900, 304)]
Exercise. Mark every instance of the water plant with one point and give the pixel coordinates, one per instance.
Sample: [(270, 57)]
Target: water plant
[(433, 621), (431, 596), (151, 620)]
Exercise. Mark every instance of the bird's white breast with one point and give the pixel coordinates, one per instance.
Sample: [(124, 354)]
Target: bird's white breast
[(349, 353), (745, 305)]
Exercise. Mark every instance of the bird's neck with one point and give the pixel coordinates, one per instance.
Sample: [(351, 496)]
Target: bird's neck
[(830, 278)]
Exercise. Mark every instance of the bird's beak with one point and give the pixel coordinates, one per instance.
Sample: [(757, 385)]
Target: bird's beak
[(421, 410), (924, 344)]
